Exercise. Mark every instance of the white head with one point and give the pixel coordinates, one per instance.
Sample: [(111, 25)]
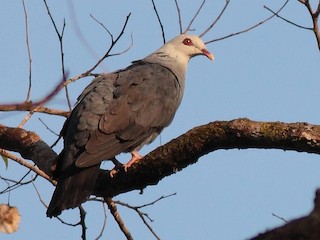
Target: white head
[(176, 53), (186, 46)]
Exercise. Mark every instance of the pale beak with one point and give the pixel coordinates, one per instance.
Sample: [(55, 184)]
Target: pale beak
[(207, 53)]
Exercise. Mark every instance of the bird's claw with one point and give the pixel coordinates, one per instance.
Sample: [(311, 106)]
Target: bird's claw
[(135, 156)]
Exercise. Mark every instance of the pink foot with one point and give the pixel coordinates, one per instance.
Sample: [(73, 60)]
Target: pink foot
[(135, 156)]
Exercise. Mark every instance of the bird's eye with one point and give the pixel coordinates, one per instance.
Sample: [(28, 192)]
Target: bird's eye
[(187, 41)]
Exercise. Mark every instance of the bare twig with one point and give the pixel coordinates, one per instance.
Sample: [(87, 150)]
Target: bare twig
[(104, 221), (102, 25), (217, 19), (143, 215), (112, 38), (114, 211), (179, 16), (33, 106), (159, 20), (281, 218), (28, 50), (82, 222), (315, 19), (286, 20), (16, 183), (250, 28), (28, 106), (25, 119), (27, 165), (194, 17), (107, 54), (37, 106), (60, 37), (46, 206), (47, 127), (39, 196)]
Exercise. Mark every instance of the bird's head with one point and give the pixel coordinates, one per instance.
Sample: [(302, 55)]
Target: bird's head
[(179, 50), (187, 46), (176, 53)]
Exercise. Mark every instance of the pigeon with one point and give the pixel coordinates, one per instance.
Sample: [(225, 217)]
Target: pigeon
[(120, 112)]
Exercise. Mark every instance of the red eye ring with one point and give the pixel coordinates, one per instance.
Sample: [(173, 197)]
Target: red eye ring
[(187, 41)]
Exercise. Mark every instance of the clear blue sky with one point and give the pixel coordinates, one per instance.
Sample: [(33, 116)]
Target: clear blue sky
[(268, 74)]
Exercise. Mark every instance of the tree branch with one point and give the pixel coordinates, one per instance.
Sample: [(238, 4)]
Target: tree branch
[(315, 19), (181, 152), (177, 154), (114, 211), (249, 28), (188, 148), (29, 145)]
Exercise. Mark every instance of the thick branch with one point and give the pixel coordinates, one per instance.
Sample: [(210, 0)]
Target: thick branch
[(29, 145), (188, 148), (180, 152)]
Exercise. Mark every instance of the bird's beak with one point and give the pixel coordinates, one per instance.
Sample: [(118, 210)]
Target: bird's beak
[(207, 53)]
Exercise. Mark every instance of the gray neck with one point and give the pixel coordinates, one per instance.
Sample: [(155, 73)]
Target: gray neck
[(178, 68)]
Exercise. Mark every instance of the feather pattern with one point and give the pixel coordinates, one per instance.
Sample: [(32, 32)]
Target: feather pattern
[(120, 112)]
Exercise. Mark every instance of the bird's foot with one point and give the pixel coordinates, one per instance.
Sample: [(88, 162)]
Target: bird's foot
[(135, 156), (117, 166)]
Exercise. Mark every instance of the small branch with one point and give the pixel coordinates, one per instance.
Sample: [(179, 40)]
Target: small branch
[(46, 206), (28, 50), (217, 19), (112, 38), (107, 54), (250, 28), (25, 119), (16, 183), (82, 222), (159, 21), (281, 218), (36, 106), (48, 128), (60, 37), (39, 195), (179, 16), (315, 19), (103, 26), (143, 215), (27, 165), (28, 106), (286, 20), (114, 211), (104, 221), (194, 17)]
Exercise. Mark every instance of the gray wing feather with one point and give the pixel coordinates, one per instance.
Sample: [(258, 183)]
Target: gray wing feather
[(120, 111), (117, 112)]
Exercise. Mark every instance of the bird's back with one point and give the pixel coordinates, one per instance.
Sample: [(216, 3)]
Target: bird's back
[(117, 112)]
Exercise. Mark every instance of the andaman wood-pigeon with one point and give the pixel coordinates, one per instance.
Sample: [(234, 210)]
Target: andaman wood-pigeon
[(120, 112)]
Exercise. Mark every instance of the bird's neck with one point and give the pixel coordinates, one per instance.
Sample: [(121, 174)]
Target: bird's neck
[(176, 63)]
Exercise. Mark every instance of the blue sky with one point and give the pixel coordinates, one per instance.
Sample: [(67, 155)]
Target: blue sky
[(268, 74)]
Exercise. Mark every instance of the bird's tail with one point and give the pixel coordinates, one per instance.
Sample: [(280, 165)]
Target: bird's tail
[(73, 189)]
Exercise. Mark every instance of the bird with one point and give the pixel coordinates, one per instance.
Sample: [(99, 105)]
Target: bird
[(120, 112)]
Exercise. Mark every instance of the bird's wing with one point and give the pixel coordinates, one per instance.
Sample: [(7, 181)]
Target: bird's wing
[(121, 111)]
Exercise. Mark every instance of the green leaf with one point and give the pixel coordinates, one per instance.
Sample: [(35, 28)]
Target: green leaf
[(6, 162)]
